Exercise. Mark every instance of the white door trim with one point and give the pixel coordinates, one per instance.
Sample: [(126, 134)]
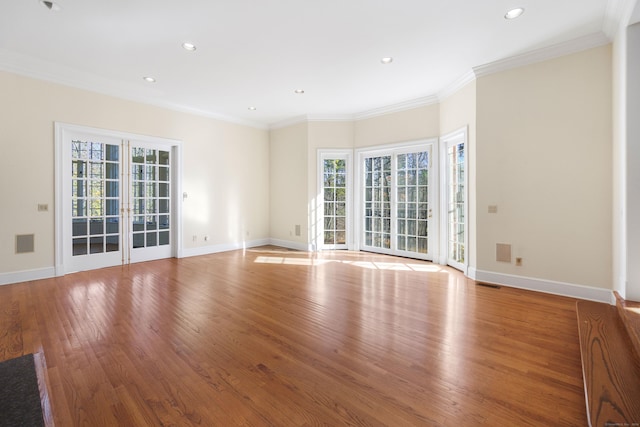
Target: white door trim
[(453, 138), (62, 132)]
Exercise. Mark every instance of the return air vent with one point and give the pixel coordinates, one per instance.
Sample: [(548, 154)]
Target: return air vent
[(24, 243)]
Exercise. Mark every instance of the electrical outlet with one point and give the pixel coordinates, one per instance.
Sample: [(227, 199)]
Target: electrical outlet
[(43, 207), (518, 261), (195, 238), (206, 238)]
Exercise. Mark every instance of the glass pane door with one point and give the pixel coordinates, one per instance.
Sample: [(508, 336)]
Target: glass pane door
[(335, 203), (413, 207), (456, 202), (94, 231), (150, 202), (377, 202), (397, 202)]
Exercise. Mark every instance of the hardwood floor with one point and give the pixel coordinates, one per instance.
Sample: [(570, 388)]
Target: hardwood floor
[(275, 337)]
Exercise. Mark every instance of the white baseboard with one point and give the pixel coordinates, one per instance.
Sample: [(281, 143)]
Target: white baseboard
[(27, 275), (547, 286), (291, 245), (212, 249)]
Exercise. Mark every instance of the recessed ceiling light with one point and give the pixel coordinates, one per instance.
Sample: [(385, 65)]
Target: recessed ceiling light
[(387, 60), (252, 108), (299, 91), (514, 13), (189, 46), (54, 7), (149, 79)]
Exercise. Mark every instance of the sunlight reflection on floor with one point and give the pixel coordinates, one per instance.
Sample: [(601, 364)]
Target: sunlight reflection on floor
[(401, 266)]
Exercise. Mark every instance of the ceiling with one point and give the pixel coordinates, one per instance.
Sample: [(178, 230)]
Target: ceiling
[(256, 53)]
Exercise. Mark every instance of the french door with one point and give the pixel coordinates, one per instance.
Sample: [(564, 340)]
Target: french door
[(455, 228), (334, 170), (116, 196), (397, 201)]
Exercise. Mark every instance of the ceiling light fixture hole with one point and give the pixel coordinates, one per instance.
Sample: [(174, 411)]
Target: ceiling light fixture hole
[(299, 91), (149, 79), (387, 60), (189, 46), (514, 13)]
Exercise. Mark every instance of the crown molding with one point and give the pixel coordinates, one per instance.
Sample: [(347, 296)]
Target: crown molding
[(38, 69), (561, 49), (617, 15), (288, 122), (396, 108), (456, 85)]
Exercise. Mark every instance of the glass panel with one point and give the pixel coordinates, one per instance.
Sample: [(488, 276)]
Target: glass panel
[(151, 189), (150, 205), (80, 246), (163, 174), (96, 226), (138, 223), (137, 155), (111, 188), (152, 222), (164, 238), (163, 189), (96, 245), (78, 169), (151, 173), (112, 152), (113, 207), (152, 239), (96, 208), (79, 207), (111, 170), (329, 237), (138, 189), (341, 238), (163, 157), (78, 188), (113, 243), (113, 225), (164, 206), (96, 170), (164, 222), (138, 240), (79, 227), (137, 172), (151, 157)]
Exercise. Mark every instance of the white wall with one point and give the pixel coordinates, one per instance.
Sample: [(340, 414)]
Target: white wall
[(226, 166), (544, 158), (456, 112), (409, 125), (288, 183)]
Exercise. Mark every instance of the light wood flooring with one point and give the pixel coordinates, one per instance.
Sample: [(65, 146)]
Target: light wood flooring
[(274, 337)]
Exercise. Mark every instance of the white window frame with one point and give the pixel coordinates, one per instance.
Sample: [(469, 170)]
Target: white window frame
[(317, 226), (358, 196)]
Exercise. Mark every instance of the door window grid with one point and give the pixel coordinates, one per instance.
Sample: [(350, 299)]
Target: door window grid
[(150, 197), (377, 202), (95, 199), (335, 201), (413, 210), (456, 220)]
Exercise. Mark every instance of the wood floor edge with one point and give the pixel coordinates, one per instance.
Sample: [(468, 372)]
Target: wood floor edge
[(630, 319)]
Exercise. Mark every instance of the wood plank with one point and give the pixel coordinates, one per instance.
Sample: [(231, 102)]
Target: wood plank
[(610, 366), (268, 336)]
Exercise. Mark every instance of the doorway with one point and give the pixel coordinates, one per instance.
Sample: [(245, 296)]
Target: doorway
[(116, 198)]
